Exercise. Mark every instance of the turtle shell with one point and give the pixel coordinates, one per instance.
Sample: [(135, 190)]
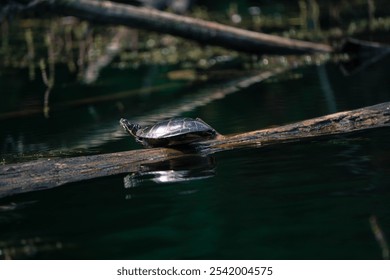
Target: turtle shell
[(175, 131)]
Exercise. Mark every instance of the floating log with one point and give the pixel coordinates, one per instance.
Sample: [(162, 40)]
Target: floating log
[(202, 31), (49, 173), (338, 123)]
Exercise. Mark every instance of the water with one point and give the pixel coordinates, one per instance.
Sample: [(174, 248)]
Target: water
[(311, 200)]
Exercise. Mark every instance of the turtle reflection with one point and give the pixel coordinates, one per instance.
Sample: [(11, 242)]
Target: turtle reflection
[(187, 168)]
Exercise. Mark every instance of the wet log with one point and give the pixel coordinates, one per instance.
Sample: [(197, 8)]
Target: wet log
[(53, 172), (202, 31), (49, 173), (339, 123)]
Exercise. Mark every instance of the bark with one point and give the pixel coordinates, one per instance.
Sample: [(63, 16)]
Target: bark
[(339, 123), (49, 173)]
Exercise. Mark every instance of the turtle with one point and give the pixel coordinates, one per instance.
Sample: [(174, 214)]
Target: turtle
[(170, 132)]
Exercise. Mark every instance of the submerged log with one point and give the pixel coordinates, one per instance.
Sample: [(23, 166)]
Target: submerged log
[(49, 173)]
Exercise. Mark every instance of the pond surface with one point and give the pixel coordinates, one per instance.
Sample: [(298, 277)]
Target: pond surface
[(314, 200)]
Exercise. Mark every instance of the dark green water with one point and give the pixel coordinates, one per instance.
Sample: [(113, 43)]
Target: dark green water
[(310, 200)]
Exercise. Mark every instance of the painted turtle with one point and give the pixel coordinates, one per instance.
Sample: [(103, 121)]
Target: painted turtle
[(171, 132)]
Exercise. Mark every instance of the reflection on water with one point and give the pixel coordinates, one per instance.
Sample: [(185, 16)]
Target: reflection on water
[(362, 54), (86, 136), (174, 171), (312, 200), (294, 201), (28, 248), (93, 127), (380, 237)]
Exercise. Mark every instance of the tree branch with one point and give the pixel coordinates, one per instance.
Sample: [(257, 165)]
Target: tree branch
[(202, 31)]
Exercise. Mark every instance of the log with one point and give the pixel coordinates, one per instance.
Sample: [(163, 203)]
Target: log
[(53, 172), (49, 173), (202, 31), (339, 123)]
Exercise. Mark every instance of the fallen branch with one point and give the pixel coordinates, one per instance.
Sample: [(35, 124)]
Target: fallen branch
[(203, 31), (49, 173), (339, 123)]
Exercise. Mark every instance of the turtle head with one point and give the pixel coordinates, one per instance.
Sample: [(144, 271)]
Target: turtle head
[(129, 127)]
